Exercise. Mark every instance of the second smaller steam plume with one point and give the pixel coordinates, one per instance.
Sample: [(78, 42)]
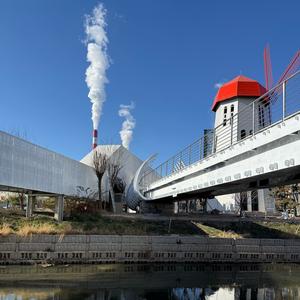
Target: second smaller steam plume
[(128, 125)]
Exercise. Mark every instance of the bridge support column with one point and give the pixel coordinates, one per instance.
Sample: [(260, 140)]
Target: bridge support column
[(261, 200), (59, 208), (29, 206), (267, 203), (167, 208), (249, 201)]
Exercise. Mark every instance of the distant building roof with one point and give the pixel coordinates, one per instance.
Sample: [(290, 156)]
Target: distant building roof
[(240, 86), (108, 150)]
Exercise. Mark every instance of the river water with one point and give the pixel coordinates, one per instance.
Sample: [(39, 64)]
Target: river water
[(151, 281)]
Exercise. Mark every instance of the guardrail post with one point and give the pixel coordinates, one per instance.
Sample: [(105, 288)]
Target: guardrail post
[(200, 148), (231, 130), (180, 161), (253, 117), (173, 163), (283, 99)]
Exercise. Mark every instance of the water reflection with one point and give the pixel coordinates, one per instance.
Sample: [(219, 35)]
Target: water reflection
[(143, 282)]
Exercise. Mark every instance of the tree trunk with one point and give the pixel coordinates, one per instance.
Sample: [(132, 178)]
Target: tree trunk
[(21, 201), (112, 197), (99, 205)]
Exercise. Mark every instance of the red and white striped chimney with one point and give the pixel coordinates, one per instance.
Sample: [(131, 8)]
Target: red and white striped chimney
[(95, 138)]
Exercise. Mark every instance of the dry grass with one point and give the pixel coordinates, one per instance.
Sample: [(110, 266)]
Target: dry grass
[(214, 232), (16, 223), (28, 229), (90, 224), (48, 228), (5, 229)]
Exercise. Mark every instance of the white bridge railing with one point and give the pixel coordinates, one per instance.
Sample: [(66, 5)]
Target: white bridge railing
[(275, 106)]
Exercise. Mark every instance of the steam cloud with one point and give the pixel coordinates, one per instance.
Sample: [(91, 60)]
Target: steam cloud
[(96, 40), (128, 125)]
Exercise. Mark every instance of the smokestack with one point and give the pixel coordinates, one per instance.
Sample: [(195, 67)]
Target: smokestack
[(95, 138)]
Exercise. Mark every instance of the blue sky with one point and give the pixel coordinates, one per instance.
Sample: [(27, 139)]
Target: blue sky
[(167, 56)]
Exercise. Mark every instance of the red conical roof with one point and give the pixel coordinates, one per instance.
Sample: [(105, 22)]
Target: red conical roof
[(239, 86)]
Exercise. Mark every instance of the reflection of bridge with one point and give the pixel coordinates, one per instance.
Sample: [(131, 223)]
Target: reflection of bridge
[(224, 161)]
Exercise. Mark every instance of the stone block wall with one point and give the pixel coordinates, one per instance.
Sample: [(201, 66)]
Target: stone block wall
[(131, 249)]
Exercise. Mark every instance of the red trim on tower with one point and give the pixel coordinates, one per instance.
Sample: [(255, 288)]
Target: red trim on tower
[(95, 133), (240, 86)]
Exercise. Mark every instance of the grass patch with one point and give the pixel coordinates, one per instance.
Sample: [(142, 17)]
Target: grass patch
[(14, 222), (5, 229), (91, 224), (215, 232), (266, 230)]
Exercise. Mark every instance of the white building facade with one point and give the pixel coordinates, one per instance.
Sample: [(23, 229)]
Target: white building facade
[(118, 155)]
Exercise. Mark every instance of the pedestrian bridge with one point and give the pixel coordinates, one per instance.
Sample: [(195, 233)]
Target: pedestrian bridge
[(223, 161), (26, 167)]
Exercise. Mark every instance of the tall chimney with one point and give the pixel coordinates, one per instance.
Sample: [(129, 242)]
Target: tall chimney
[(95, 137)]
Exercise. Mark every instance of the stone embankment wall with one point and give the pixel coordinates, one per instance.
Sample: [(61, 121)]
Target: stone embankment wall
[(130, 249)]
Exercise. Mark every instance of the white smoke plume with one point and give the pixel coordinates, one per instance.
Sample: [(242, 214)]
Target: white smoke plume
[(128, 124), (96, 40)]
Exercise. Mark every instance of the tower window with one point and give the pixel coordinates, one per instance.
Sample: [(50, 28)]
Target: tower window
[(225, 117), (243, 133), (232, 108)]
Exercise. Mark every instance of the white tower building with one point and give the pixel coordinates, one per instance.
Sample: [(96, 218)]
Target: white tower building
[(233, 122)]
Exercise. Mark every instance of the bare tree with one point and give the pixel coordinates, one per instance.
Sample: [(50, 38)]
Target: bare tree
[(120, 185), (114, 166), (113, 170), (84, 193), (100, 162), (286, 197), (241, 202), (21, 197), (81, 202)]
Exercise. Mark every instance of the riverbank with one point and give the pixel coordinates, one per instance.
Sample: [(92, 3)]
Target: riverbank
[(14, 222)]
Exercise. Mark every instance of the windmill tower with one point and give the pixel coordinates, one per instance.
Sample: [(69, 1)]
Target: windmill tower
[(234, 122), (233, 119)]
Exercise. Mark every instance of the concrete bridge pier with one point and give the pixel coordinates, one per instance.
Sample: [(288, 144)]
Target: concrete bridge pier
[(59, 208), (29, 205)]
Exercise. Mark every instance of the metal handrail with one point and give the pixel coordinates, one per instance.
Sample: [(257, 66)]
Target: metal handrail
[(264, 107)]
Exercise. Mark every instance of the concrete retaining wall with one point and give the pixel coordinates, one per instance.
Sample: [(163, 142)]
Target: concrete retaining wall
[(129, 249)]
